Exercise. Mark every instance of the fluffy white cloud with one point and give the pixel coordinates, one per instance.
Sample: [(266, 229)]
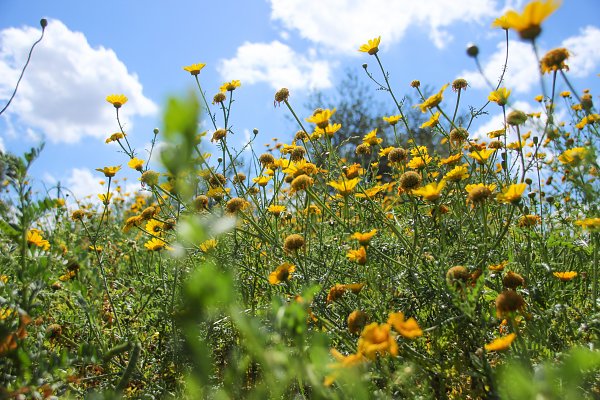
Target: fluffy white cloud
[(496, 121), (523, 73), (2, 148), (82, 182), (585, 52), (343, 25), (63, 91), (278, 65)]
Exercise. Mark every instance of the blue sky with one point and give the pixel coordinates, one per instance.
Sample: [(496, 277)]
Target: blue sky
[(138, 48)]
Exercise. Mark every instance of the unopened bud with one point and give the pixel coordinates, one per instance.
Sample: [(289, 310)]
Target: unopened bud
[(472, 50)]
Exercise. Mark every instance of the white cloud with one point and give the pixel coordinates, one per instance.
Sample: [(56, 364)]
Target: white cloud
[(585, 52), (278, 65), (82, 183), (343, 25), (523, 73), (2, 148), (63, 91), (496, 121)]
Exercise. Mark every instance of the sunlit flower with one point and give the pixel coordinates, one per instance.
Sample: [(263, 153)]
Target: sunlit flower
[(376, 340), (565, 276), (371, 47), (371, 138), (573, 156), (293, 242), (589, 223), (433, 101), (194, 69), (115, 137), (109, 172), (344, 186), (499, 96), (408, 328), (501, 343), (131, 222), (356, 321), (208, 245), (528, 23), (343, 361), (430, 192), (116, 100), (498, 267), (364, 238), (275, 209), (481, 156), (554, 60), (282, 273), (433, 121), (235, 205), (261, 180), (105, 198), (136, 164), (457, 174), (512, 194), (529, 220), (230, 86), (34, 238), (156, 244), (321, 117), (155, 227), (329, 130), (419, 162), (392, 119), (479, 192), (337, 290), (358, 256)]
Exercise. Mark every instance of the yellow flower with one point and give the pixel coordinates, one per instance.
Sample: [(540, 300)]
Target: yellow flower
[(136, 164), (371, 138), (565, 276), (528, 23), (230, 86), (337, 290), (131, 222), (376, 340), (105, 198), (451, 159), (364, 238), (573, 156), (529, 220), (459, 173), (194, 69), (408, 328), (498, 267), (282, 273), (34, 238), (479, 192), (156, 244), (589, 223), (208, 245), (565, 94), (501, 343), (301, 167), (371, 47), (155, 227), (343, 361), (432, 101), (481, 156), (261, 180), (512, 194), (431, 192), (116, 100), (329, 130), (392, 119), (499, 96), (344, 186), (433, 121), (419, 162), (554, 60), (321, 117), (359, 256), (115, 137), (275, 209), (109, 172)]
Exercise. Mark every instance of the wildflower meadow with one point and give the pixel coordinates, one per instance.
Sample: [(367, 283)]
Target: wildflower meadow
[(393, 269)]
